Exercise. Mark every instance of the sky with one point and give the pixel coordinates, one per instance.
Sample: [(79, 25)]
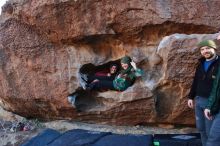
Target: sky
[(2, 2)]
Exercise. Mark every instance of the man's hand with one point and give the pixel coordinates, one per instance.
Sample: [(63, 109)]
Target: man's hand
[(190, 103), (208, 114), (119, 76), (218, 37), (133, 64)]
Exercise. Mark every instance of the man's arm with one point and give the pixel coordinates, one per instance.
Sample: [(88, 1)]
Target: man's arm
[(138, 71), (213, 100), (192, 92)]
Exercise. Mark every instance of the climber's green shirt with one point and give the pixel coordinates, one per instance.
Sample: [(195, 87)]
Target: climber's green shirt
[(127, 79)]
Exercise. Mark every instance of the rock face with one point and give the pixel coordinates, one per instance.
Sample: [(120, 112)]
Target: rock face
[(44, 43)]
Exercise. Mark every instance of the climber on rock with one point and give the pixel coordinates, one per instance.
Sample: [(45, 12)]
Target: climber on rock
[(88, 81), (105, 74), (124, 79)]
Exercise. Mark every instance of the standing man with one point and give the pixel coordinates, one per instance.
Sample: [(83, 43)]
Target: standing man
[(212, 111), (202, 84)]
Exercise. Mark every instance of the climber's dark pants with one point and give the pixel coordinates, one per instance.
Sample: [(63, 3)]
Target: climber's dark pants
[(102, 85), (100, 78)]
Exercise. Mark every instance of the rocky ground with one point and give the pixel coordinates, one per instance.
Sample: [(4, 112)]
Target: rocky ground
[(14, 133), (15, 130)]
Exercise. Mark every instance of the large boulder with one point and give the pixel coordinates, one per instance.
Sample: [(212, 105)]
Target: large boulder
[(44, 43)]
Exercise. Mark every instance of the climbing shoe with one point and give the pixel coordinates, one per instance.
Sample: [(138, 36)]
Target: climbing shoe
[(72, 99)]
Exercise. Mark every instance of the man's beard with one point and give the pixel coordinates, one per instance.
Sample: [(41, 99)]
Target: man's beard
[(211, 55)]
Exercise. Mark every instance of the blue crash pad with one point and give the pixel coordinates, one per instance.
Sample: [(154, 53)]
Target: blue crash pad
[(78, 137), (125, 140), (43, 138)]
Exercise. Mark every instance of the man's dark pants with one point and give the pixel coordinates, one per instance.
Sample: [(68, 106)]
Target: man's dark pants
[(202, 123)]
